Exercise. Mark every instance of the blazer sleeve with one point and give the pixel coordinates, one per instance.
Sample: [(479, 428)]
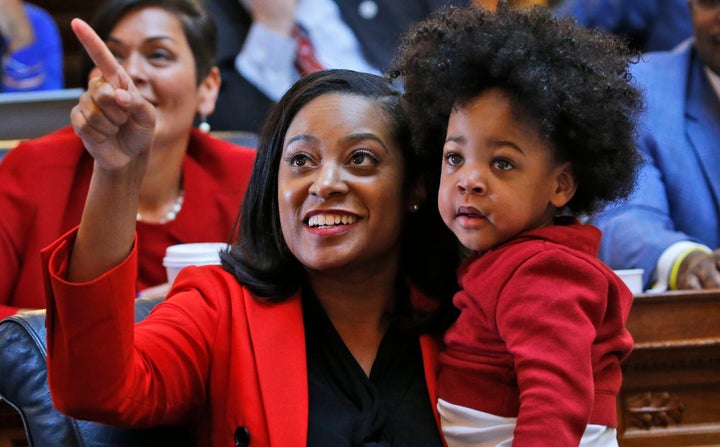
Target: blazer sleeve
[(103, 367), (17, 204), (550, 328)]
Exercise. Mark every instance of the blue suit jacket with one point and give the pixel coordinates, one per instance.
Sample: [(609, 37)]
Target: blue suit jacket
[(651, 25), (678, 193)]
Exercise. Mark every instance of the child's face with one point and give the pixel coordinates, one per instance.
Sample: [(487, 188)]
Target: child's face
[(498, 175)]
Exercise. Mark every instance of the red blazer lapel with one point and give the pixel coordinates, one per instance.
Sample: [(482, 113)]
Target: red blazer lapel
[(278, 341)]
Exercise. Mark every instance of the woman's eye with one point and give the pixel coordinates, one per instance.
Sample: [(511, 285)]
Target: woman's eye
[(299, 160), (118, 57), (363, 158), (159, 55), (503, 165)]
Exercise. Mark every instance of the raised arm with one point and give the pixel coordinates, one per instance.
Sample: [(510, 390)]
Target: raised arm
[(14, 25), (116, 125)]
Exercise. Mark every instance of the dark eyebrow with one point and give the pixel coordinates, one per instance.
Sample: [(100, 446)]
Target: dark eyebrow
[(148, 40), (365, 136), (497, 143), (459, 139), (301, 137), (509, 144), (348, 138)]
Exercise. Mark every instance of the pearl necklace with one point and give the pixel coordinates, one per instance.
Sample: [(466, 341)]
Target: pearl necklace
[(172, 214)]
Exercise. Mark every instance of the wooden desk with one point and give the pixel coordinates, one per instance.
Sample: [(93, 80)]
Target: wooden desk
[(671, 382)]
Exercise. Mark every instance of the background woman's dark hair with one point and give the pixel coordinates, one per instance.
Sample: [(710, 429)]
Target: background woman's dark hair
[(260, 258), (197, 25), (573, 83)]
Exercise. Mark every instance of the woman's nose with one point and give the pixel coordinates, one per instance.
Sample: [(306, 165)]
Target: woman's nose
[(134, 65), (328, 181)]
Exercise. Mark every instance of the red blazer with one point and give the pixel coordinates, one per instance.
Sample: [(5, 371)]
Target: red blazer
[(212, 355), (43, 185)]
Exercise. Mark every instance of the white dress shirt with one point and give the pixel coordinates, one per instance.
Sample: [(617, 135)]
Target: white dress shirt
[(267, 59)]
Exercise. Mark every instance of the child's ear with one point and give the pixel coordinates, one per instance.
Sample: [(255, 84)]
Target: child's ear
[(565, 186)]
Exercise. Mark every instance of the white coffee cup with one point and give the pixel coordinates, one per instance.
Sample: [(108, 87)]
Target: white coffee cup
[(632, 279), (182, 255)]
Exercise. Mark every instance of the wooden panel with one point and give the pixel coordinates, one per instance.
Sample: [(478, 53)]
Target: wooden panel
[(671, 381)]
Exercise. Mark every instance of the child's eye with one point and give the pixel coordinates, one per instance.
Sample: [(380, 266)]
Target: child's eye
[(453, 159), (503, 164)]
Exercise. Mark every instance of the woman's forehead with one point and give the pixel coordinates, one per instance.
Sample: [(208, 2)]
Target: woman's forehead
[(339, 111)]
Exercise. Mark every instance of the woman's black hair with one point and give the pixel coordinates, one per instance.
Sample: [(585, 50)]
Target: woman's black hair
[(197, 24), (260, 258), (572, 83)]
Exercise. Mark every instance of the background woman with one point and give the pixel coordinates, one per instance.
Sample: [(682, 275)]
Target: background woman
[(193, 184)]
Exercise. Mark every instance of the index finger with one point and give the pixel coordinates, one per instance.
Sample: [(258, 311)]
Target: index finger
[(101, 56)]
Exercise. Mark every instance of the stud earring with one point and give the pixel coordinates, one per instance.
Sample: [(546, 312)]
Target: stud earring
[(414, 207), (204, 126)]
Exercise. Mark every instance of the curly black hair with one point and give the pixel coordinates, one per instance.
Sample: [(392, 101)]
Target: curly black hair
[(571, 82)]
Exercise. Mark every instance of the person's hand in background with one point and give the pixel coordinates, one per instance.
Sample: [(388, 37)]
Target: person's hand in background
[(276, 15), (31, 47), (15, 26), (700, 270)]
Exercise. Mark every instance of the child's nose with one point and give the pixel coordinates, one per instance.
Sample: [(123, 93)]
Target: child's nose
[(473, 182)]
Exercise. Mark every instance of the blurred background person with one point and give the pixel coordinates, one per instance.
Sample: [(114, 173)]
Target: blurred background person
[(649, 25), (266, 45), (193, 184), (670, 227), (32, 53)]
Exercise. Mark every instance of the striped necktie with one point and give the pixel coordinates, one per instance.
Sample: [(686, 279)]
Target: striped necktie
[(305, 60)]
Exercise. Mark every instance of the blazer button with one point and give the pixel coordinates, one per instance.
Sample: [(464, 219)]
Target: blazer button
[(242, 437)]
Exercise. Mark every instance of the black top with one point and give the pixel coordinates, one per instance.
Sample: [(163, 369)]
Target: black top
[(390, 408)]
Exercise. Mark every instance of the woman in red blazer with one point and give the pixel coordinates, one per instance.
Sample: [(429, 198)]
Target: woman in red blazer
[(314, 331), (193, 184)]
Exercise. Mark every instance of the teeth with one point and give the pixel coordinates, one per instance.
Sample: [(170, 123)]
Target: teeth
[(320, 220)]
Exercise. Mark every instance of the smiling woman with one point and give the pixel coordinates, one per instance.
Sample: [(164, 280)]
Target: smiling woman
[(317, 329)]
